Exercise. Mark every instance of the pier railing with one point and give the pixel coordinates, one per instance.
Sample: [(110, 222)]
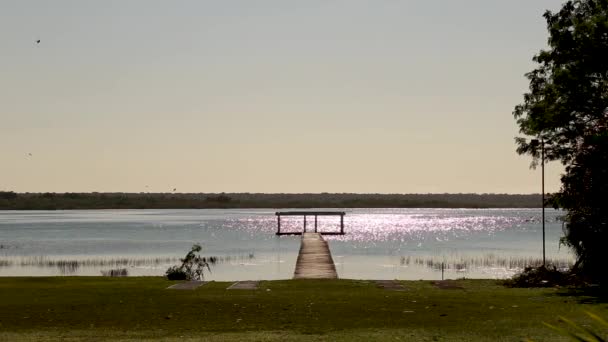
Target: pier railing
[(305, 214)]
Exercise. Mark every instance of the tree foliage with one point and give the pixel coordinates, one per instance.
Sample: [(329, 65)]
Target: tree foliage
[(567, 109)]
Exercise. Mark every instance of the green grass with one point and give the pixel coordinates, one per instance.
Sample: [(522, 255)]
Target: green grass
[(96, 308)]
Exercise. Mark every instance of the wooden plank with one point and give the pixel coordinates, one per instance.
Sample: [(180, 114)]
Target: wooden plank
[(314, 260)]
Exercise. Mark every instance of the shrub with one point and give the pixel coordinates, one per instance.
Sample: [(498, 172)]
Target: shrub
[(176, 273), (192, 267), (543, 277)]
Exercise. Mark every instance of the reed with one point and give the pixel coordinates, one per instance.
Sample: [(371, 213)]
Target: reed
[(118, 272), (43, 261), (72, 265), (464, 263)]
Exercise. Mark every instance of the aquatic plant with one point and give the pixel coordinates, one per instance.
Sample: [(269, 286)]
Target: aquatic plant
[(118, 272), (464, 263), (43, 261), (71, 266), (67, 266)]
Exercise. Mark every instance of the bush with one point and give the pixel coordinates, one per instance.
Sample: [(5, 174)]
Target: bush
[(192, 267), (543, 277), (176, 273)]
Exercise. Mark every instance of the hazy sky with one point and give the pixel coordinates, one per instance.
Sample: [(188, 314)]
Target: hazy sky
[(379, 96)]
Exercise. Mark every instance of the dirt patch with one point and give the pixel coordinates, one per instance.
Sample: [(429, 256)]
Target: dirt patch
[(447, 285), (392, 285)]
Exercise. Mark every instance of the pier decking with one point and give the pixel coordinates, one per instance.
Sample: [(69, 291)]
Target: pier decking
[(314, 260)]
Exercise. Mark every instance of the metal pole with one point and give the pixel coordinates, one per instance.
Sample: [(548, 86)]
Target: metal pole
[(278, 224), (542, 159), (304, 223), (315, 223)]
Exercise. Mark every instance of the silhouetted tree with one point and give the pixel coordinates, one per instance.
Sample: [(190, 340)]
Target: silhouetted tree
[(567, 109)]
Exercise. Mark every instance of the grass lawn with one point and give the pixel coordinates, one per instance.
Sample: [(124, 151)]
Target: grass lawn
[(97, 308)]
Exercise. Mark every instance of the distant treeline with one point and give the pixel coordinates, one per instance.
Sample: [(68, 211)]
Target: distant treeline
[(59, 201)]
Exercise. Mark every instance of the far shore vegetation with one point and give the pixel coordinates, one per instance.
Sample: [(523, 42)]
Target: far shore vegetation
[(64, 201)]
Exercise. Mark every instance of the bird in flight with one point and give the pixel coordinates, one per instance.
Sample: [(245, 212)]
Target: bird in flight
[(29, 154), (174, 189), (38, 41)]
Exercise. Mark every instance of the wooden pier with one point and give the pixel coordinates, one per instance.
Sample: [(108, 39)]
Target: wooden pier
[(305, 214), (314, 260)]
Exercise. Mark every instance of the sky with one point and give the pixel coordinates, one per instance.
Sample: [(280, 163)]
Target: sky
[(381, 96)]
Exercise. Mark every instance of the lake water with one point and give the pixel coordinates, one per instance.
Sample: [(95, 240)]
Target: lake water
[(379, 243)]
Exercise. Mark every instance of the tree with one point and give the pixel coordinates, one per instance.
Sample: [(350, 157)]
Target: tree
[(567, 108)]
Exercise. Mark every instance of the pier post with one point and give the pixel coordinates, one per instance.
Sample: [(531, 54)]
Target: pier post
[(315, 223), (278, 224), (304, 223), (341, 224)]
